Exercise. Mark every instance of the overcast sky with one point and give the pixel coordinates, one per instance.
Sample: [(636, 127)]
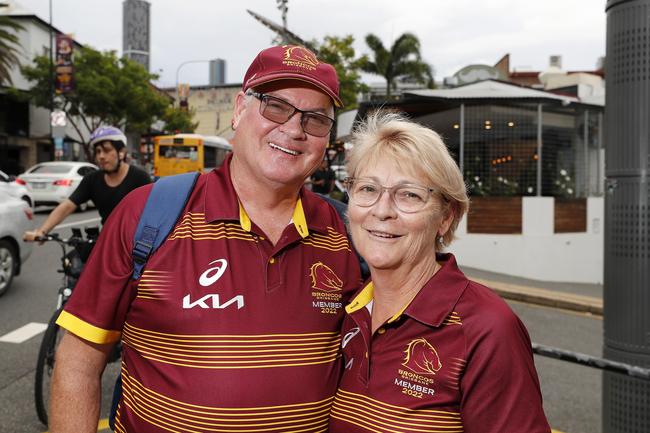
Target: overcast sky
[(453, 33)]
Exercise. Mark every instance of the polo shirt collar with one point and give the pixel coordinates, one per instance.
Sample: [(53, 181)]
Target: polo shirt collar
[(433, 303), (221, 203)]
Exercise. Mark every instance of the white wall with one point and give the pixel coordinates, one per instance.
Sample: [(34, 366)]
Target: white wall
[(538, 253)]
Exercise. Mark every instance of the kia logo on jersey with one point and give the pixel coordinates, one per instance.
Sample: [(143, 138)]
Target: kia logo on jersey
[(212, 300)]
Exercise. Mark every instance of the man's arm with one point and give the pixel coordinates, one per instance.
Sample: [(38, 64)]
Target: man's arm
[(76, 385), (61, 212)]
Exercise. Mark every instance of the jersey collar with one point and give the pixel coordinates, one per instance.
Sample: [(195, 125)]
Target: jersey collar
[(298, 219), (221, 203), (433, 303)]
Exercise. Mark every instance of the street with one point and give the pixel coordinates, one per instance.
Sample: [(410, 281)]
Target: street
[(572, 394)]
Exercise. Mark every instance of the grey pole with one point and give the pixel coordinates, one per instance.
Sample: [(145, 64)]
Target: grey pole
[(599, 162), (461, 145), (585, 157), (626, 400), (539, 150)]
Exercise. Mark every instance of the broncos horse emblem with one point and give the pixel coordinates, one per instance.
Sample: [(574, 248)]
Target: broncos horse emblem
[(421, 357)]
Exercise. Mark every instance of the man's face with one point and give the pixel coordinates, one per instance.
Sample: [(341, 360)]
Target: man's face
[(106, 156), (278, 154)]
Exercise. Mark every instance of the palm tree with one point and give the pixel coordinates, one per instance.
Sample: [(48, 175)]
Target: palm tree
[(9, 47), (403, 60)]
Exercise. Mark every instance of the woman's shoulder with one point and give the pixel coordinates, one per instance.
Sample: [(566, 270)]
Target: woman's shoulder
[(486, 310)]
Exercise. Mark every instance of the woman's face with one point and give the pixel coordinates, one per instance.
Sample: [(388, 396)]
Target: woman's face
[(388, 238)]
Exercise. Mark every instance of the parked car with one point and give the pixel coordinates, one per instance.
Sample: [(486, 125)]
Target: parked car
[(15, 188), (15, 219), (52, 182)]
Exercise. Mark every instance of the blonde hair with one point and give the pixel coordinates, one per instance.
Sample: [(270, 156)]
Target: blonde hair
[(414, 149)]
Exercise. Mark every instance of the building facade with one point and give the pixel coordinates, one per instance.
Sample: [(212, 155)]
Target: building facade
[(136, 31), (212, 107), (25, 134), (533, 162)]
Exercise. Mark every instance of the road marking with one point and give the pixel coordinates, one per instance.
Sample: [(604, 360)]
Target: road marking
[(102, 425), (24, 333), (77, 223)]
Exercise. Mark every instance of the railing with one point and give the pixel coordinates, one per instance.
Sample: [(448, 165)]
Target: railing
[(592, 361)]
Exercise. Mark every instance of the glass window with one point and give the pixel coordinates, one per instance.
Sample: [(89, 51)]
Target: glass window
[(563, 153), (180, 152), (500, 156), (52, 169)]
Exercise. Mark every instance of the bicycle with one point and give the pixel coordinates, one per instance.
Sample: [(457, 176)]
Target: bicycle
[(74, 252)]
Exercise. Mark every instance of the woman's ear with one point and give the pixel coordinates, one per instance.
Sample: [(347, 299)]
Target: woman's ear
[(446, 221)]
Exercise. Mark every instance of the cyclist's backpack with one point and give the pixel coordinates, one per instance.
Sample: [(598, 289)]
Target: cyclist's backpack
[(166, 201)]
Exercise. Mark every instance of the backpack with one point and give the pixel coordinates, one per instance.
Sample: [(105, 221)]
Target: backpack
[(166, 201)]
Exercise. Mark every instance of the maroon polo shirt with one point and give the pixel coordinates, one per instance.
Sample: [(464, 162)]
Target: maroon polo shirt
[(224, 331), (456, 359)]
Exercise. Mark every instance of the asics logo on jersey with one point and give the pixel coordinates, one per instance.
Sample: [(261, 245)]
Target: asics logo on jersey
[(212, 300), (213, 274), (349, 336)]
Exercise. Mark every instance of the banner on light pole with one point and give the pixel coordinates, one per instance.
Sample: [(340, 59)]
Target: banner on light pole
[(64, 81)]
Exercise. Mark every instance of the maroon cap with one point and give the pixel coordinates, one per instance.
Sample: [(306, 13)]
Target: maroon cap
[(293, 62)]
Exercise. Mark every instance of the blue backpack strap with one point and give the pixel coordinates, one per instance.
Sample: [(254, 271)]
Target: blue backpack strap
[(166, 201)]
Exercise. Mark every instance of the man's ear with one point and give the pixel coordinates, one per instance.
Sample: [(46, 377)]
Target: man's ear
[(240, 107)]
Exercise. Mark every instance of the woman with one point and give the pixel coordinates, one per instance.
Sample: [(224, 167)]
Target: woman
[(425, 349)]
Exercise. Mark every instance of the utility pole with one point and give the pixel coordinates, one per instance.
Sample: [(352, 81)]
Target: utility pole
[(626, 400)]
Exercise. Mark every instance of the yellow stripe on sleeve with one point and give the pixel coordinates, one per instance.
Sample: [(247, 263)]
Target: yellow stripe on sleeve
[(86, 330)]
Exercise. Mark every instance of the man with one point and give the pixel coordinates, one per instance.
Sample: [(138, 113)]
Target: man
[(323, 179), (235, 321), (105, 187)]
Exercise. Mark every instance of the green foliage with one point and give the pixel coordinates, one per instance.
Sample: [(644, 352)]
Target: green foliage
[(339, 52), (108, 90), (179, 121), (9, 47), (402, 60)]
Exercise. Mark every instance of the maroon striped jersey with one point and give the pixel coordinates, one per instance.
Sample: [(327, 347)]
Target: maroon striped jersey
[(456, 359), (224, 331)]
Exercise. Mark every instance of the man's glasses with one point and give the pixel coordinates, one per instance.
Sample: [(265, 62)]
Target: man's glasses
[(408, 198), (280, 111)]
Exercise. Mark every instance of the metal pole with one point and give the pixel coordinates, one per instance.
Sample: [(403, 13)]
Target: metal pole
[(599, 175), (461, 145), (626, 293), (585, 138), (539, 150), (178, 71), (51, 80), (591, 361)]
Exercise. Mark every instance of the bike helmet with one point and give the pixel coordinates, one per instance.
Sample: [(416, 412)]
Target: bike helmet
[(108, 133)]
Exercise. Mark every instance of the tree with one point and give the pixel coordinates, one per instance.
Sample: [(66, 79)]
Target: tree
[(179, 121), (403, 60), (9, 47), (339, 52), (108, 90)]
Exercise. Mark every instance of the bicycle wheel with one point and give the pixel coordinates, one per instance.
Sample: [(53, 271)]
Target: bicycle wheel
[(45, 366)]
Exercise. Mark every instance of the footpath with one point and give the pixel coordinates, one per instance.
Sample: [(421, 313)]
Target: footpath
[(584, 298)]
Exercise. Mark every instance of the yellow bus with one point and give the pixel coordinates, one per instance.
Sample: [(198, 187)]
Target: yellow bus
[(183, 153)]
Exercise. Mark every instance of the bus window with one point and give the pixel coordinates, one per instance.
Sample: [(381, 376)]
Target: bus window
[(180, 152)]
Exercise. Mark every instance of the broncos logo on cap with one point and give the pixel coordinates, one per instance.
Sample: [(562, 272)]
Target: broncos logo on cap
[(421, 357), (300, 56)]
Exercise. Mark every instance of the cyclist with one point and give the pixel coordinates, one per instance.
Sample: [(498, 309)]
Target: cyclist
[(105, 187)]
